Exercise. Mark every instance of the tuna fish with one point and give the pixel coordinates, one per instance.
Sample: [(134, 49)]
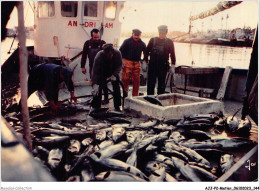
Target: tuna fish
[(104, 113), (232, 123), (244, 126), (221, 122), (210, 153), (87, 141), (55, 157), (176, 137), (185, 170), (158, 175), (73, 179), (153, 100), (74, 146), (72, 121), (203, 174), (163, 127), (112, 150), (152, 166), (211, 117), (103, 145), (226, 162), (116, 120), (193, 155), (148, 124), (52, 141), (196, 134), (57, 126), (172, 122), (171, 152), (118, 176), (118, 165), (101, 135), (200, 124), (169, 178), (132, 159), (147, 141), (41, 152), (224, 144), (206, 167), (117, 133), (97, 126), (87, 175)]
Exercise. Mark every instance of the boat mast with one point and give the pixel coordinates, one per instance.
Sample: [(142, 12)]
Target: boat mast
[(23, 64)]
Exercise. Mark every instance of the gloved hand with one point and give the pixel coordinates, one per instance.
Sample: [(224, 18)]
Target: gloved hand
[(95, 89), (112, 78), (172, 69), (144, 66), (54, 107), (73, 99), (84, 71)]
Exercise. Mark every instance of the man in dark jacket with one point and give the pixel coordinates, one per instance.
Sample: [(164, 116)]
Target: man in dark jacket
[(90, 49), (47, 77), (107, 66), (159, 49), (131, 51)]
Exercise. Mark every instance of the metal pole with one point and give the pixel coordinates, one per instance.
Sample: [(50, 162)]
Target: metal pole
[(23, 57)]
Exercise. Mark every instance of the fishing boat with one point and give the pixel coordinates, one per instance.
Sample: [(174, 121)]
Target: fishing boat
[(64, 43)]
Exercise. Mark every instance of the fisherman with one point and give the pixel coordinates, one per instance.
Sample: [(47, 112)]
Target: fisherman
[(47, 77), (159, 49), (131, 51), (107, 66), (90, 49)]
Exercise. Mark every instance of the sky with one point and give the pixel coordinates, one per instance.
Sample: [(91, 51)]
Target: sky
[(147, 15)]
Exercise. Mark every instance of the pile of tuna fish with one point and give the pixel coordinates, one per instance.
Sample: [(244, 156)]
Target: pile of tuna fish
[(115, 149)]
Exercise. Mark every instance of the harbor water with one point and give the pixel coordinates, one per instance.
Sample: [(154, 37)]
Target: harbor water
[(199, 55)]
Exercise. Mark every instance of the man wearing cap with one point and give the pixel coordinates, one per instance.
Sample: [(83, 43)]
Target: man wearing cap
[(159, 49), (131, 51), (47, 77), (107, 66), (90, 49)]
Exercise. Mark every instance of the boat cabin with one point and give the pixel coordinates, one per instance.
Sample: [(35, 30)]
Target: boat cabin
[(62, 27)]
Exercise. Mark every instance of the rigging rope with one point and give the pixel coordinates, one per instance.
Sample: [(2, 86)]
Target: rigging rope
[(190, 26), (26, 13), (31, 6)]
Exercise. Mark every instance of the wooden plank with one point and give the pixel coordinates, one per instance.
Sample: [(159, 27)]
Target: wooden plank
[(224, 82)]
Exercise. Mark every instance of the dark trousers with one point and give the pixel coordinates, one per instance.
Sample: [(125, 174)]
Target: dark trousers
[(90, 69), (156, 70), (105, 89), (96, 103)]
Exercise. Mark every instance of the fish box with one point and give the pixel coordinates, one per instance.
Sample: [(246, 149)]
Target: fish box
[(175, 106)]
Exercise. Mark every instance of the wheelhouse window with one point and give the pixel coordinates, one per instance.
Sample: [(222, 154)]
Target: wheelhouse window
[(90, 8), (45, 9), (110, 9), (69, 8)]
